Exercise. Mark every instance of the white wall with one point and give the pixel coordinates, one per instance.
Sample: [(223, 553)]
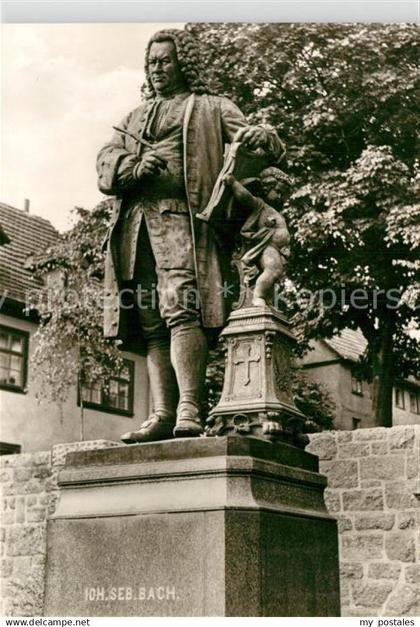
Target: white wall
[(37, 426)]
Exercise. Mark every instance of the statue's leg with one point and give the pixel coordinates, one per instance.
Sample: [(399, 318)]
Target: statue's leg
[(189, 358), (180, 308), (272, 265), (162, 380)]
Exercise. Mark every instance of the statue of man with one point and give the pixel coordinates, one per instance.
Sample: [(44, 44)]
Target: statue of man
[(161, 165)]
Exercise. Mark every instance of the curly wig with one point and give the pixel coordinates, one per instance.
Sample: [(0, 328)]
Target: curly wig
[(187, 52), (278, 174)]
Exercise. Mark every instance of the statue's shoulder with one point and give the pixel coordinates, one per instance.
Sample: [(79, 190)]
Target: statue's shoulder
[(136, 114), (214, 101)]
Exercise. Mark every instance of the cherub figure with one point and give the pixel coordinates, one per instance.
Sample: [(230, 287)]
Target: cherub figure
[(265, 236)]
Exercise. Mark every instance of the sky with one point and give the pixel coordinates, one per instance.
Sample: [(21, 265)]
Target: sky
[(63, 86)]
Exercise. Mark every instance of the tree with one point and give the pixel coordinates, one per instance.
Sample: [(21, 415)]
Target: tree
[(343, 99), (70, 347)]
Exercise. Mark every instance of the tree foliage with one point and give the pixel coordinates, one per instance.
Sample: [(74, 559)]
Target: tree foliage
[(69, 345), (343, 97)]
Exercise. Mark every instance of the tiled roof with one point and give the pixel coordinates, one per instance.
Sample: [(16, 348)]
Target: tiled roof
[(348, 344), (4, 239), (28, 234)]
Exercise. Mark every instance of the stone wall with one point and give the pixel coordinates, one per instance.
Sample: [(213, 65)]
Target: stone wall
[(373, 479), (28, 494)]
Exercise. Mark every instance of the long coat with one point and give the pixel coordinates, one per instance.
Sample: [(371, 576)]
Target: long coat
[(209, 123)]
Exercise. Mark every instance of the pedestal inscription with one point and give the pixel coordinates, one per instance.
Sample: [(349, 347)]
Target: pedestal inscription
[(224, 526)]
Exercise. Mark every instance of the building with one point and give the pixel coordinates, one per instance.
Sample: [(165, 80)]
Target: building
[(331, 363), (26, 424)]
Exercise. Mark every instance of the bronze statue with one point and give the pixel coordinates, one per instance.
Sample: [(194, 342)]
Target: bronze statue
[(264, 236), (163, 270)]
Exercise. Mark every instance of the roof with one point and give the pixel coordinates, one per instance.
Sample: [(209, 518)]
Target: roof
[(4, 238), (28, 234), (348, 344)]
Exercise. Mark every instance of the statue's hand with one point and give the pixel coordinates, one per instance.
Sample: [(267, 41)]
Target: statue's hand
[(252, 136), (229, 180), (150, 165)]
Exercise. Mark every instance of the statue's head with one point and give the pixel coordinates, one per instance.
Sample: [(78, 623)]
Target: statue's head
[(173, 62), (276, 185)]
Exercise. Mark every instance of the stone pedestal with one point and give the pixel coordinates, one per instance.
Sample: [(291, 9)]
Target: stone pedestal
[(226, 526), (257, 390)]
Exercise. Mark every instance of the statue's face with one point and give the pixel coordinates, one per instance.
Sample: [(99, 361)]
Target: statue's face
[(163, 68), (271, 191)]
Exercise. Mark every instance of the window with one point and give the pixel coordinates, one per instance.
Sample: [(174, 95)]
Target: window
[(356, 385), (414, 403), (13, 359), (115, 398), (399, 398), (355, 423), (6, 448)]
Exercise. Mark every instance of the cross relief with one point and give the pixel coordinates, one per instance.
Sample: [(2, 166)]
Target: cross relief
[(247, 354)]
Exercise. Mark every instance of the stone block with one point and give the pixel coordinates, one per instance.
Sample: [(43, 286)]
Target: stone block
[(340, 473), (22, 474), (343, 436), (400, 495), (389, 467), (32, 486), (9, 488), (8, 518), (5, 475), (372, 594), (412, 466), (332, 500), (26, 540), (354, 611), (31, 500), (379, 448), (355, 449), (20, 509), (369, 435), (13, 461), (375, 521), (362, 547), (345, 591), (363, 500), (6, 567), (371, 484), (2, 534), (407, 520), (59, 451), (344, 524), (27, 594), (351, 570), (42, 472), (37, 514), (323, 445), (400, 546), (412, 574), (401, 438), (11, 502), (41, 458), (404, 601), (44, 499), (22, 565), (384, 570)]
